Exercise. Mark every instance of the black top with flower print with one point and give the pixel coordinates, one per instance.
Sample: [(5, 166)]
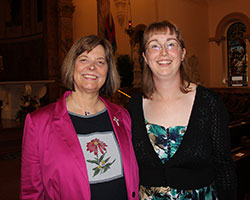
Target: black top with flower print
[(102, 155)]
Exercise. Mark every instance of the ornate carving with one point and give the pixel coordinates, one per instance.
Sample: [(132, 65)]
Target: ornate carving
[(120, 11), (193, 71)]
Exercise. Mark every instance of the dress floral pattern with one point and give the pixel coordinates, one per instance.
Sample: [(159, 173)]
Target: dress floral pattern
[(166, 142), (93, 145), (102, 164)]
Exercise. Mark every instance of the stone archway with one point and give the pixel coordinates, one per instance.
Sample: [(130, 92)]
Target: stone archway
[(221, 37), (226, 21)]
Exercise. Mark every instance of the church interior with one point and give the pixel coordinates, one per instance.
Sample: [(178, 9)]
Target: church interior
[(35, 36)]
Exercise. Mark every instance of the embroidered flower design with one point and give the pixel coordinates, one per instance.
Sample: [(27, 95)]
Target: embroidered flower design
[(93, 145), (102, 164)]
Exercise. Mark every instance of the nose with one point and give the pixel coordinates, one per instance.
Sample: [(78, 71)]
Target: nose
[(164, 50), (92, 66)]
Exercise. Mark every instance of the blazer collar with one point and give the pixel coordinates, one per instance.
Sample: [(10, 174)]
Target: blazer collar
[(60, 107)]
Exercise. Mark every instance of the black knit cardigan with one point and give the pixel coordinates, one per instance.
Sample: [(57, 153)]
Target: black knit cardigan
[(204, 156)]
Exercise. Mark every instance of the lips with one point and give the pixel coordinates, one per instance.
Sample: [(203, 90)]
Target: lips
[(164, 62), (90, 76)]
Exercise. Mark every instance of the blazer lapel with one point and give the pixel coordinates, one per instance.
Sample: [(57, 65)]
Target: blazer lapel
[(63, 125), (119, 129)]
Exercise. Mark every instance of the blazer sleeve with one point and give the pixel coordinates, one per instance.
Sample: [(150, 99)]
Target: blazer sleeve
[(226, 181), (31, 186)]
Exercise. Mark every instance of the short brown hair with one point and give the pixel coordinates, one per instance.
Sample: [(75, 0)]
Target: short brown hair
[(148, 86), (87, 44)]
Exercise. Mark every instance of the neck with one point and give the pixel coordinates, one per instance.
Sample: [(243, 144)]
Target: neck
[(85, 100), (167, 89), (84, 104)]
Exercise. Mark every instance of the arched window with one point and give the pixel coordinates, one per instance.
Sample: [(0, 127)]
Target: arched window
[(237, 55)]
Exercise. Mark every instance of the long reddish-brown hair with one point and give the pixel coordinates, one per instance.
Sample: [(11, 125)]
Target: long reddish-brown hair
[(148, 86)]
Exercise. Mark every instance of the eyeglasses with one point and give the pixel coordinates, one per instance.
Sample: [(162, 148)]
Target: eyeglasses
[(155, 47)]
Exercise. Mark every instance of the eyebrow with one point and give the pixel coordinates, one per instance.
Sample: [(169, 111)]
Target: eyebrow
[(155, 40), (82, 55), (86, 56)]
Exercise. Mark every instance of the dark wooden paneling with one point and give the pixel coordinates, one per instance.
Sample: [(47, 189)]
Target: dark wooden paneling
[(23, 61)]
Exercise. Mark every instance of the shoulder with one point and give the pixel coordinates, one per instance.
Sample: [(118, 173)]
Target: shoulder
[(56, 109), (136, 99), (207, 93), (136, 96), (135, 107), (38, 121), (44, 112), (209, 98)]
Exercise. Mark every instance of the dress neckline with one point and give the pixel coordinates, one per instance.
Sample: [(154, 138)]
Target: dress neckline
[(165, 128)]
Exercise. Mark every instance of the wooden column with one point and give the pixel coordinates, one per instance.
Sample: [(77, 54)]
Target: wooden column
[(58, 40)]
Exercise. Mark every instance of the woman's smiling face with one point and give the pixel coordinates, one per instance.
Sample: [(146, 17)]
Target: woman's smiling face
[(164, 55), (90, 70)]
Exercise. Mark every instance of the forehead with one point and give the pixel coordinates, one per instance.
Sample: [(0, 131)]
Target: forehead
[(96, 51), (161, 31), (162, 37)]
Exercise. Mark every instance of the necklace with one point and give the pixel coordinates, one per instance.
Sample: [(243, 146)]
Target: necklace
[(86, 112)]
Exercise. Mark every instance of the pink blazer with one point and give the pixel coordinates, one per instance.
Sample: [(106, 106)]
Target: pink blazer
[(53, 165)]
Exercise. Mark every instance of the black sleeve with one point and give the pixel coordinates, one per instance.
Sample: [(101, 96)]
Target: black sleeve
[(226, 181)]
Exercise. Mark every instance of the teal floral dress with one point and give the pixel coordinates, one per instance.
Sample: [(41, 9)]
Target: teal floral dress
[(165, 143)]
